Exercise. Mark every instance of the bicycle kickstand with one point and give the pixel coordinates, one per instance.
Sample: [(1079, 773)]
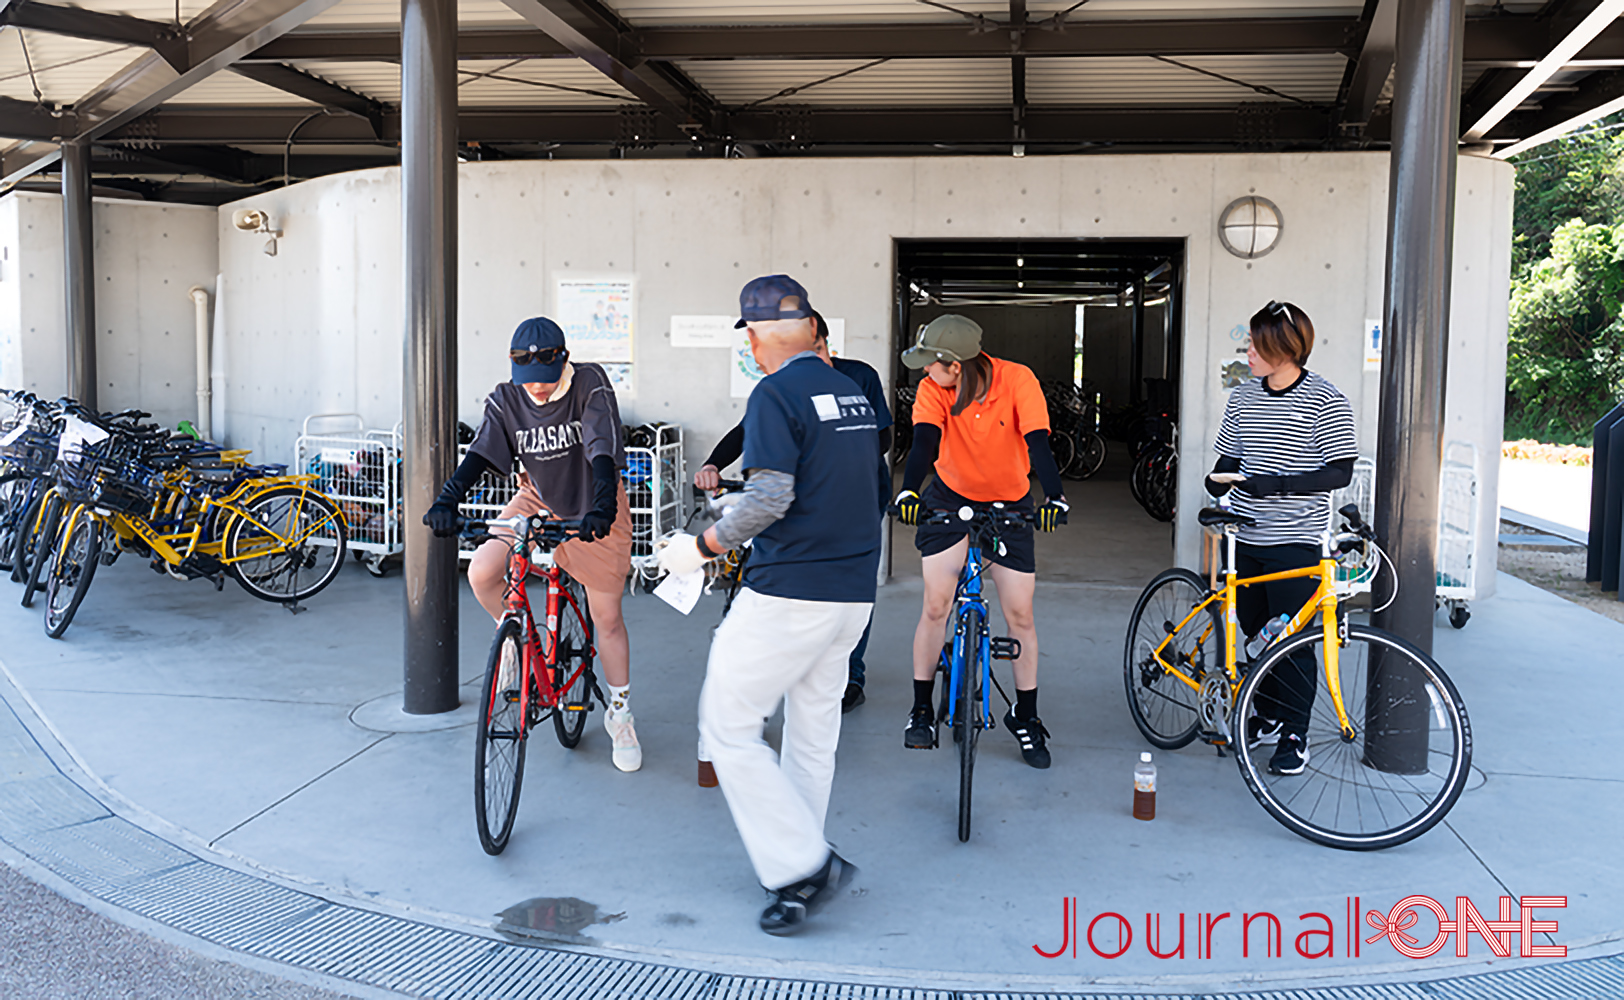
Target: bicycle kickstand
[(293, 606)]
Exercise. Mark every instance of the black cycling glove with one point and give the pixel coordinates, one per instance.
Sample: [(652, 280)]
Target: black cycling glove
[(443, 517), (600, 520), (1052, 514)]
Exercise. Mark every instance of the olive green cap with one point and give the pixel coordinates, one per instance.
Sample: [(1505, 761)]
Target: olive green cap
[(945, 338)]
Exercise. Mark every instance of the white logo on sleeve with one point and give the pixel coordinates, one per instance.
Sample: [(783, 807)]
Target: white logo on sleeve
[(827, 406)]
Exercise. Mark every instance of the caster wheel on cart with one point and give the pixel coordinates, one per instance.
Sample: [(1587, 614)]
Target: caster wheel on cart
[(1459, 615)]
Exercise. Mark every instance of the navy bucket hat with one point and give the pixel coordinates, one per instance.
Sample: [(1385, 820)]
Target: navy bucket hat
[(538, 353)]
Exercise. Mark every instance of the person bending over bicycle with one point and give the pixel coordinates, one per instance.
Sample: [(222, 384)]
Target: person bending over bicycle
[(1290, 432), (728, 450), (982, 425), (562, 423)]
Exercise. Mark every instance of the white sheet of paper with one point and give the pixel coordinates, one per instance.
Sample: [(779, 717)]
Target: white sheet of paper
[(681, 592), (75, 435), (15, 433)]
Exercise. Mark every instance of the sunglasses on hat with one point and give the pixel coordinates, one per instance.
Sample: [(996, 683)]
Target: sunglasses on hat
[(545, 356)]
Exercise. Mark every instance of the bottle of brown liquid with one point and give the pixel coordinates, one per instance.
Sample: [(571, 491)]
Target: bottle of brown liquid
[(1144, 788)]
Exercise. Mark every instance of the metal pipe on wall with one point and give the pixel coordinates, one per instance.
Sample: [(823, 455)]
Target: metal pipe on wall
[(428, 77), (1409, 436), (200, 323), (79, 272)]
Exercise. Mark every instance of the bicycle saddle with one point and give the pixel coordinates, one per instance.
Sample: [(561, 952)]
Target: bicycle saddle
[(1213, 516)]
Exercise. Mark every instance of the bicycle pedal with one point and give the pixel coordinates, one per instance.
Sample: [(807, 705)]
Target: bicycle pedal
[(1006, 647), (511, 697)]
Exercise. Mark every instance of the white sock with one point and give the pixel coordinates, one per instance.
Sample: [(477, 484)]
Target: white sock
[(620, 700)]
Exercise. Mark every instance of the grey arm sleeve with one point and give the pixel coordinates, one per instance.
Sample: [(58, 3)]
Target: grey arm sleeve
[(767, 496)]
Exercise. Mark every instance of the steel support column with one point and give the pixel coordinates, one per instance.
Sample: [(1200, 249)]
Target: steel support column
[(1409, 438), (428, 78), (79, 271)]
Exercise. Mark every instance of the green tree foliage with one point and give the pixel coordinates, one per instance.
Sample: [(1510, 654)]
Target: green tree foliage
[(1565, 356)]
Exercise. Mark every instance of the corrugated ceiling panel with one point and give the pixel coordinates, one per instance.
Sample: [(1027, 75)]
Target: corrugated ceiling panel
[(544, 83), (379, 13), (802, 11), (901, 82), (67, 68), (1140, 81), (231, 90)]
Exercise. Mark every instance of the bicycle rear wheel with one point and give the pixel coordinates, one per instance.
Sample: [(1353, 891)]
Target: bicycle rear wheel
[(13, 498), (1091, 451), (1164, 707), (1406, 763), (575, 650), (500, 738), (287, 545), (71, 571), (967, 715), (1063, 448), (42, 545)]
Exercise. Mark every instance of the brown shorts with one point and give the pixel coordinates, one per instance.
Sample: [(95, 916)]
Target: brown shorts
[(602, 565)]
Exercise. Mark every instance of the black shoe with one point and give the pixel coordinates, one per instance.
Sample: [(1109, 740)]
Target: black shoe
[(795, 902), (854, 696), (921, 732), (1260, 730), (1290, 755), (1031, 735)]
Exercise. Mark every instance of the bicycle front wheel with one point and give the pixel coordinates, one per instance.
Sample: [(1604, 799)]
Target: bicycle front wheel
[(42, 545), (1063, 448), (1164, 706), (500, 739), (1399, 773), (71, 571), (287, 544), (575, 652), (968, 713), (1091, 449)]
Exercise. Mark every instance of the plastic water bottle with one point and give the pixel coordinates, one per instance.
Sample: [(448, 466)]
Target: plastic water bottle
[(1144, 788), (1270, 632)]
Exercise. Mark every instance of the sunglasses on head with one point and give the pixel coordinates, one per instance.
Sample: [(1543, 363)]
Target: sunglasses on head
[(545, 356)]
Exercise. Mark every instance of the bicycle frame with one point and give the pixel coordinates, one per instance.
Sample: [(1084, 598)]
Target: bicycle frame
[(176, 547), (969, 595), (516, 602)]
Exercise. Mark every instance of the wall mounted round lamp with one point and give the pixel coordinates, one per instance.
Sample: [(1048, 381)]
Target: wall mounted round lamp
[(1250, 226)]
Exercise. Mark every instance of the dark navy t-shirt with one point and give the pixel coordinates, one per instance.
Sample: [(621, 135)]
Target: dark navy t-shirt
[(811, 422), (868, 380)]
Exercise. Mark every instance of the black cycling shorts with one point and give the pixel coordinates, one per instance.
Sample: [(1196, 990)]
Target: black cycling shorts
[(1018, 552)]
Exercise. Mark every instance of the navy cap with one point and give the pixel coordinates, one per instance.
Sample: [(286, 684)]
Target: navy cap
[(538, 334), (776, 296)]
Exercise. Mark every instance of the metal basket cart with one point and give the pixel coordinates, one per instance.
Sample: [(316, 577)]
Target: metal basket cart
[(655, 474), (359, 468), (485, 500), (1457, 531)]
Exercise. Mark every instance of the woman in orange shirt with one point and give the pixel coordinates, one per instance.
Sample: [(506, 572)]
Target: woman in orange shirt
[(981, 424)]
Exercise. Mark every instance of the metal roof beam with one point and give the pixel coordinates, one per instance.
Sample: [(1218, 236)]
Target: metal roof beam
[(384, 46), (314, 88), (1597, 96), (27, 120), (1374, 64), (1602, 14), (76, 22)]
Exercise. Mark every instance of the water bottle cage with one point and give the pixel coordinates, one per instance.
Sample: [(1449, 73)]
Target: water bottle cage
[(1006, 648)]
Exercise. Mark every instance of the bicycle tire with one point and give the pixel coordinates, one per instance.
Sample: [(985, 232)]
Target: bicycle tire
[(23, 547), (499, 744), (13, 496), (1063, 448), (1091, 452), (71, 571), (272, 571), (968, 716), (1340, 799), (575, 646), (1165, 708), (44, 546)]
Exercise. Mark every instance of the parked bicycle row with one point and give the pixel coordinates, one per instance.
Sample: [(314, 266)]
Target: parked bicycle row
[(79, 488)]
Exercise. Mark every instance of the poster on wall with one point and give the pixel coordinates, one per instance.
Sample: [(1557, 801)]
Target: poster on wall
[(620, 379), (596, 317), (744, 373), (1233, 373), (1373, 345), (702, 331)]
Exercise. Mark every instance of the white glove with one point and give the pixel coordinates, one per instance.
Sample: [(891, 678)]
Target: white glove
[(679, 554)]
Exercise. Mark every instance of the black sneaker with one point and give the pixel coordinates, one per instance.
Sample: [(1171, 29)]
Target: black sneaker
[(794, 903), (921, 731), (1260, 730), (1290, 755), (1031, 735), (853, 697)]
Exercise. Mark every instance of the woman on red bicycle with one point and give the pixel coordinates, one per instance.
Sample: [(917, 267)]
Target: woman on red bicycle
[(562, 423), (981, 424)]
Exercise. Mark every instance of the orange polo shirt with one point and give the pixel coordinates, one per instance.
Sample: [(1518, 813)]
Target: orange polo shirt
[(983, 455)]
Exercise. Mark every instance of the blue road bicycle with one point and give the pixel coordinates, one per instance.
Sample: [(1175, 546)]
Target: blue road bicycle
[(966, 659)]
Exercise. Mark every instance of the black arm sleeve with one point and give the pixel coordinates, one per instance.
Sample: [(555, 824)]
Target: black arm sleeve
[(1331, 476), (728, 450), (605, 486), (927, 441), (462, 481), (1037, 447), (1224, 464), (885, 441)]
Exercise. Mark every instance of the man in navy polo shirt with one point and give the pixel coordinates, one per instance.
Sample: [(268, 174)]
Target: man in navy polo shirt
[(810, 450)]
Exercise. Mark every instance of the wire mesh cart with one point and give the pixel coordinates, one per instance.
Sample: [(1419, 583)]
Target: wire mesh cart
[(655, 474), (359, 468), (486, 500)]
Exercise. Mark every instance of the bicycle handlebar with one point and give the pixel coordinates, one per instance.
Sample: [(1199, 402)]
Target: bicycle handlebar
[(545, 532)]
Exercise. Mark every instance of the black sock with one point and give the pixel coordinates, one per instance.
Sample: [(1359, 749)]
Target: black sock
[(1026, 704), (924, 693)]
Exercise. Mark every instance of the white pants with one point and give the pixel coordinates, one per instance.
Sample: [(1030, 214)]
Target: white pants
[(770, 648)]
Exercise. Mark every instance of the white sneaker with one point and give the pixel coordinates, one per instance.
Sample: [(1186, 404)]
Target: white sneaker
[(507, 672), (628, 755)]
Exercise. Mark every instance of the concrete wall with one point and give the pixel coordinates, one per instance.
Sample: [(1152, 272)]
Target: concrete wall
[(1041, 337), (317, 328), (147, 257)]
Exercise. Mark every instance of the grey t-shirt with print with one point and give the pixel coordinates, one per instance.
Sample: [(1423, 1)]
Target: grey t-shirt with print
[(554, 442)]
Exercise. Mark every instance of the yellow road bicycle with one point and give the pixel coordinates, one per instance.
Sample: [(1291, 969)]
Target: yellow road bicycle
[(1388, 741)]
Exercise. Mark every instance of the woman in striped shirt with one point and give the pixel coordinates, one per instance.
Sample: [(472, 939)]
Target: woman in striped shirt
[(1291, 434)]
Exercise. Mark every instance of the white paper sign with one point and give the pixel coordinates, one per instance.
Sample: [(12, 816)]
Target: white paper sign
[(15, 433), (702, 331), (596, 317), (75, 435), (1373, 345), (681, 592)]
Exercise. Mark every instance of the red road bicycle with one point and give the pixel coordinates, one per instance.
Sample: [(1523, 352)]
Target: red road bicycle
[(538, 667)]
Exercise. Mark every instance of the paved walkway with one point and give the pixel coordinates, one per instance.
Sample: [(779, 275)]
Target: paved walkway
[(222, 769)]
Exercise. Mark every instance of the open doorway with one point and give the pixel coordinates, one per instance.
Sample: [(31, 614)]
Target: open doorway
[(1099, 322)]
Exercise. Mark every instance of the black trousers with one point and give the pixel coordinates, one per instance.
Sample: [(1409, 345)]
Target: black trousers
[(1287, 694)]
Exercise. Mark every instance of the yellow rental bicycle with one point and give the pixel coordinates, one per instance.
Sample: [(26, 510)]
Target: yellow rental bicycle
[(1388, 740)]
